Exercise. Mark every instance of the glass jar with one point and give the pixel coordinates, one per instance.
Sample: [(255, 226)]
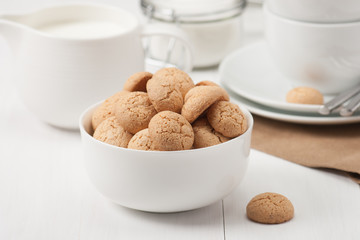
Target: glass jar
[(213, 27)]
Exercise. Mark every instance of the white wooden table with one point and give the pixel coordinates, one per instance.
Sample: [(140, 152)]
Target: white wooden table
[(46, 194)]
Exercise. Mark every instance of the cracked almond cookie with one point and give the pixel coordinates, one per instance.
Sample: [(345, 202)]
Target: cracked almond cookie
[(305, 95), (207, 83), (134, 111), (170, 131), (270, 208), (137, 82), (167, 89), (200, 98), (205, 135), (110, 131), (106, 109), (141, 141), (227, 118)]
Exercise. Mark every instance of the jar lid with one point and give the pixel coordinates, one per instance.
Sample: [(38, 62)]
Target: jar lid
[(192, 11)]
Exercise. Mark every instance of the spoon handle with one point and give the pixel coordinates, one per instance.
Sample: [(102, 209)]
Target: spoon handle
[(338, 100), (351, 107)]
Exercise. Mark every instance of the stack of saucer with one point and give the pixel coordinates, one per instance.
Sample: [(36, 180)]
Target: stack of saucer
[(253, 80), (309, 43)]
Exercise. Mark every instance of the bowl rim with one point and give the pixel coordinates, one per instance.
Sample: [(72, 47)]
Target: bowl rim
[(91, 108)]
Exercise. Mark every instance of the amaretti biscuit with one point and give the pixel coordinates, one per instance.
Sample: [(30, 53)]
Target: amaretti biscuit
[(141, 141), (227, 118), (106, 109), (205, 135), (206, 83), (167, 89), (134, 111), (177, 76), (110, 131), (154, 112), (137, 82), (198, 99), (305, 95), (270, 208), (170, 131)]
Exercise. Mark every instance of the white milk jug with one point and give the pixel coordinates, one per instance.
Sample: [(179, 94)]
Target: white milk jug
[(68, 57)]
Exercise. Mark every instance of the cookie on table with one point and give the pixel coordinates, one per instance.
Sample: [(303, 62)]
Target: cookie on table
[(200, 98), (206, 83), (110, 131), (305, 95), (205, 135), (134, 111), (141, 141), (137, 82), (167, 89), (106, 109), (170, 131), (227, 118), (270, 208)]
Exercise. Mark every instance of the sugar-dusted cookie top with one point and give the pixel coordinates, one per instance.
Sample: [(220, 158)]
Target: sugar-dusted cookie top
[(141, 141), (205, 135), (134, 111), (110, 131), (137, 82), (198, 99), (106, 109), (270, 208), (227, 118), (170, 131)]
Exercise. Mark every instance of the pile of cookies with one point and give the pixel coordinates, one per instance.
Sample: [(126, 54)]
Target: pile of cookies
[(166, 111)]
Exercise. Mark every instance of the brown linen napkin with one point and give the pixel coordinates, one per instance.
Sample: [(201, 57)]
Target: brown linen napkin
[(325, 146)]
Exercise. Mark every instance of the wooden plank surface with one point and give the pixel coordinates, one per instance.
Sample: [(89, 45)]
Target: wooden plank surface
[(46, 194), (327, 205)]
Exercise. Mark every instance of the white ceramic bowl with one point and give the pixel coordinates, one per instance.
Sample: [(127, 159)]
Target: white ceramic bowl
[(323, 56), (320, 11), (158, 181)]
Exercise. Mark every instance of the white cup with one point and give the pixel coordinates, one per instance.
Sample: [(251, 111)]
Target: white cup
[(323, 56), (320, 11), (61, 68)]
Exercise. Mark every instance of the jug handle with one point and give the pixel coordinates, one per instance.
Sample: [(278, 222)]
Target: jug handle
[(175, 34)]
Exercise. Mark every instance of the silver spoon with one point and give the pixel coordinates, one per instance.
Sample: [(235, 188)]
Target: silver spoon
[(351, 107), (338, 100)]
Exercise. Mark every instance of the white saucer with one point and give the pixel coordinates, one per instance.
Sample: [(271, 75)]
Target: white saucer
[(250, 73), (286, 116)]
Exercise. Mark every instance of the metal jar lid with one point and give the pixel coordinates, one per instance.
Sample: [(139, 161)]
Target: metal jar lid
[(190, 11)]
